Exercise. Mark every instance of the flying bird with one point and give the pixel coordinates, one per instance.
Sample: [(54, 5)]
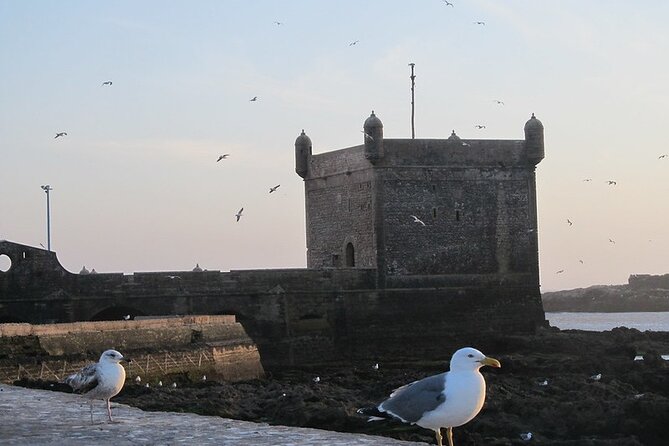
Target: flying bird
[(447, 400), (587, 179), (559, 272), (58, 135), (417, 220), (355, 42), (367, 135), (254, 99), (497, 100), (479, 23), (107, 83), (569, 222), (611, 182), (479, 126), (239, 214), (612, 241), (100, 381), (272, 189), (580, 261), (223, 157), (661, 156), (447, 3), (278, 23)]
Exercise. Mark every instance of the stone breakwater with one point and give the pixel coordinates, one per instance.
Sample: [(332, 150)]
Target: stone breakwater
[(43, 418), (216, 346)]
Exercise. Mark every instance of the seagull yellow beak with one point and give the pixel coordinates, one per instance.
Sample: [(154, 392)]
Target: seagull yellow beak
[(492, 362)]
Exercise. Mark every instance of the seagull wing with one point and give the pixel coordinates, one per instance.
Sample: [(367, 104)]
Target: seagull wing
[(84, 380), (410, 402)]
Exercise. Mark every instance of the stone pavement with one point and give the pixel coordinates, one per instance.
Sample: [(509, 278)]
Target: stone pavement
[(40, 417)]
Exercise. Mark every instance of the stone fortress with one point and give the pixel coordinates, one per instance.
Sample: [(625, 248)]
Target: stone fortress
[(414, 247)]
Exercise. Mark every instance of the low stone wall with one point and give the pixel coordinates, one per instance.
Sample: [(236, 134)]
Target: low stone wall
[(216, 346)]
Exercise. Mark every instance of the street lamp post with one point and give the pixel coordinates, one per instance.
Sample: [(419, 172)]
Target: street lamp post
[(46, 188)]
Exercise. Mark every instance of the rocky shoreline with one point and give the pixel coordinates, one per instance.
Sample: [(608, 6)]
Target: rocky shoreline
[(547, 385)]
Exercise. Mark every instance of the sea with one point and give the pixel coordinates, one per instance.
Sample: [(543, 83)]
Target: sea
[(656, 321)]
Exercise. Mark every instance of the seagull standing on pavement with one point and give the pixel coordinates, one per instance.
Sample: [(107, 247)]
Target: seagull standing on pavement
[(100, 381)]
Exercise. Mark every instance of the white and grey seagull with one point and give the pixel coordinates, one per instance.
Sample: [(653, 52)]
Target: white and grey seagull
[(100, 381), (107, 83), (254, 99), (273, 189), (223, 157), (59, 134), (239, 214), (448, 399), (417, 220)]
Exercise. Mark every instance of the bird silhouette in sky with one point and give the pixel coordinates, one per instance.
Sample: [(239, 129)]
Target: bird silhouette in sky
[(479, 126), (278, 23), (417, 220), (587, 179), (107, 83), (612, 241), (447, 3), (580, 261), (497, 100), (661, 156), (355, 42), (272, 189), (239, 214), (254, 99), (222, 157), (611, 182), (479, 23), (559, 272), (58, 135), (570, 222)]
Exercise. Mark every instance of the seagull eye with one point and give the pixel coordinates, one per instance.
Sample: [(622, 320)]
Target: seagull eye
[(470, 355)]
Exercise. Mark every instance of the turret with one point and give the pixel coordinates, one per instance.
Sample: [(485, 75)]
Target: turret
[(373, 136), (302, 154), (534, 140)]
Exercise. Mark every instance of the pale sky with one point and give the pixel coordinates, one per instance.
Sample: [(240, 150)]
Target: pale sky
[(136, 185)]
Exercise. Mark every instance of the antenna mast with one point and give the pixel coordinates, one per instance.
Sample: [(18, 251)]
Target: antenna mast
[(413, 84)]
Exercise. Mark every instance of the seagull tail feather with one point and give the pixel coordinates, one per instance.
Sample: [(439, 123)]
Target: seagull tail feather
[(374, 414)]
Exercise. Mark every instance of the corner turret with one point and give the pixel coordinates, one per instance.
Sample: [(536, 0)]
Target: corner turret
[(302, 154), (373, 136), (534, 140)]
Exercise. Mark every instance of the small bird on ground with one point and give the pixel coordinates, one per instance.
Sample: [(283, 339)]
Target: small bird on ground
[(479, 126), (447, 400), (417, 220), (107, 83), (273, 189), (126, 317), (254, 99), (375, 366), (239, 214), (173, 277), (223, 157), (317, 379), (58, 135), (160, 384), (543, 383), (204, 378), (526, 436), (355, 42), (596, 377), (100, 381), (138, 379), (174, 385)]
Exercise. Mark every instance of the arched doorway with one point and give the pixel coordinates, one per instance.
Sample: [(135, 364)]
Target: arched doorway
[(350, 255)]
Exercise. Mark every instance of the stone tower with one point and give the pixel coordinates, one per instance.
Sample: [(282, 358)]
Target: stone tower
[(475, 201)]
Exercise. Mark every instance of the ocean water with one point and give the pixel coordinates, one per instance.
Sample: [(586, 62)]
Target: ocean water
[(658, 321)]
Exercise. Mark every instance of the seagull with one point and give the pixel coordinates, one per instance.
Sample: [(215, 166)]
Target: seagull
[(570, 222), (317, 379), (367, 135), (596, 377), (497, 100), (581, 261), (661, 156), (101, 380), (126, 317), (611, 183), (254, 99), (543, 383), (479, 126), (278, 23), (204, 378), (612, 241), (417, 220), (58, 135), (160, 384), (147, 385), (173, 277), (479, 23), (272, 189), (239, 214), (138, 379), (174, 385), (587, 179), (526, 436), (107, 83), (375, 366), (448, 400), (447, 3), (559, 272), (355, 42), (223, 157)]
